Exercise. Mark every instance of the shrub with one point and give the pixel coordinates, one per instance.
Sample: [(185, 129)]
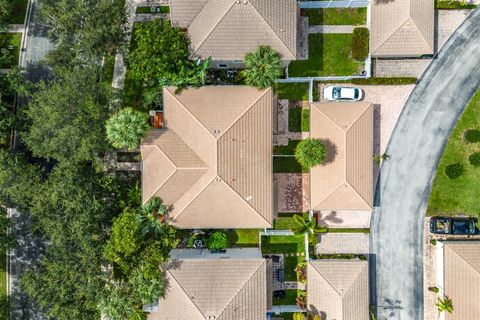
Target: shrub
[(433, 242), (262, 67), (301, 271), (454, 170), (360, 39), (126, 128), (217, 241), (298, 316), (310, 152), (474, 159), (472, 135), (302, 299)]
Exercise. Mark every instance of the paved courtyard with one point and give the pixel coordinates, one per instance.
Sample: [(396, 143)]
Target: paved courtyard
[(292, 192), (344, 219), (342, 243)]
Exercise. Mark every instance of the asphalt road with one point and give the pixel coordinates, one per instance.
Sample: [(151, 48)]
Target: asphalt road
[(415, 149)]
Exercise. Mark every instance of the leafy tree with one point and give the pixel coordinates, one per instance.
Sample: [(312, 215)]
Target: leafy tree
[(126, 128), (306, 226), (147, 285), (84, 30), (6, 240), (160, 57), (67, 115), (262, 67), (217, 240), (444, 305), (4, 306), (5, 13), (116, 305), (310, 152)]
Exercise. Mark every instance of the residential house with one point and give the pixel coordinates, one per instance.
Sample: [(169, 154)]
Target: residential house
[(458, 276), (212, 163), (338, 289), (215, 286), (228, 29), (402, 28), (345, 181)]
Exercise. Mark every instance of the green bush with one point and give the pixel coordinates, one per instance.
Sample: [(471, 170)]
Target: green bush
[(310, 152), (474, 159), (453, 5), (360, 41), (472, 135), (454, 170), (385, 81), (217, 241)]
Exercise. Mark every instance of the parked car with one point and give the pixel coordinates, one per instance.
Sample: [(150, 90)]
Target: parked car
[(458, 226), (342, 94)]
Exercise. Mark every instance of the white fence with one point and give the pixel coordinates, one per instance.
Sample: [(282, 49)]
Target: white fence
[(334, 4)]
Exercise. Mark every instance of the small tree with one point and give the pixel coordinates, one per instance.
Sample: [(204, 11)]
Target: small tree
[(262, 67), (301, 271), (310, 152), (126, 128), (444, 304), (152, 216), (306, 226), (217, 241)]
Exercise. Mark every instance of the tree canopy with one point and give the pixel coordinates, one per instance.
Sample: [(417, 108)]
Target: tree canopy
[(262, 67), (310, 152), (126, 128)]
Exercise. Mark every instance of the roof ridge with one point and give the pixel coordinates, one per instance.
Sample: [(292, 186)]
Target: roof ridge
[(186, 294), (463, 259), (214, 26), (420, 31), (360, 115), (332, 120), (392, 34), (357, 275), (171, 175), (192, 115), (328, 282), (328, 195), (240, 289), (273, 30)]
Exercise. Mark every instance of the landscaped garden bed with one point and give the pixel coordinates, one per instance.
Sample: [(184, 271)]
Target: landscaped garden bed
[(287, 165), (336, 16), (18, 12), (155, 10), (290, 298), (10, 42), (292, 91), (328, 55), (453, 5), (459, 194)]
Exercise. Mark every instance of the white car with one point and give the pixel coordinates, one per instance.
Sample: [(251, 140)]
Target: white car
[(342, 93)]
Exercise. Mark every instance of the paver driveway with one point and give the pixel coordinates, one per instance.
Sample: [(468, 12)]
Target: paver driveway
[(415, 148)]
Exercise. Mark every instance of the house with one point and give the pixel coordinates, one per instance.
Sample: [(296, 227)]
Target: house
[(228, 29), (402, 28), (345, 181), (212, 286), (338, 289), (212, 163), (458, 274)]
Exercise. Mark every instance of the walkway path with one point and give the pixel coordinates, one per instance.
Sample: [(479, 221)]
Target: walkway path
[(405, 179), (331, 29)]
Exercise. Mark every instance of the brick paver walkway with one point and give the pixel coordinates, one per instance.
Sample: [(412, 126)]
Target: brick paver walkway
[(292, 192), (400, 68), (343, 243), (330, 29)]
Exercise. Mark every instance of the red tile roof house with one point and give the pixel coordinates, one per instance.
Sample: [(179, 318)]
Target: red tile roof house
[(213, 163), (228, 29)]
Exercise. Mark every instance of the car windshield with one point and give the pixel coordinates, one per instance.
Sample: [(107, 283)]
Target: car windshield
[(336, 93), (356, 94)]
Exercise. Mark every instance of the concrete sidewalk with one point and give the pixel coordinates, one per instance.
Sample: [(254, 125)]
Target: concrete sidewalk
[(331, 29)]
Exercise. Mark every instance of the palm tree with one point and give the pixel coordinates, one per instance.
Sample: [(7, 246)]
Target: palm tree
[(126, 128), (306, 226), (152, 216), (262, 67), (444, 304)]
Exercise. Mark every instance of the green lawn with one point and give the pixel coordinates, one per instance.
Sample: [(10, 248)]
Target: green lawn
[(328, 55), (288, 149), (19, 10), (292, 91), (287, 165), (243, 237), (283, 244), (284, 223), (107, 70), (163, 9), (14, 39), (290, 298), (336, 16), (459, 196), (298, 119), (289, 267)]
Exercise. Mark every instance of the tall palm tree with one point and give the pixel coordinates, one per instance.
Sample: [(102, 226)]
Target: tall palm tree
[(262, 67), (444, 304), (126, 128), (151, 216), (306, 226)]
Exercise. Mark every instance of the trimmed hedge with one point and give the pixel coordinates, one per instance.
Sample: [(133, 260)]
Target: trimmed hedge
[(454, 170), (375, 81), (472, 135), (474, 159), (453, 5), (360, 40)]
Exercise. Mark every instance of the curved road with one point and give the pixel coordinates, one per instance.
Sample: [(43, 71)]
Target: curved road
[(405, 181)]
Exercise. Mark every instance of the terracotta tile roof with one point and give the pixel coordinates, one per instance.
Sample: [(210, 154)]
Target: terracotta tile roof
[(338, 288), (345, 182), (220, 289), (228, 29), (213, 163), (462, 278), (402, 28)]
